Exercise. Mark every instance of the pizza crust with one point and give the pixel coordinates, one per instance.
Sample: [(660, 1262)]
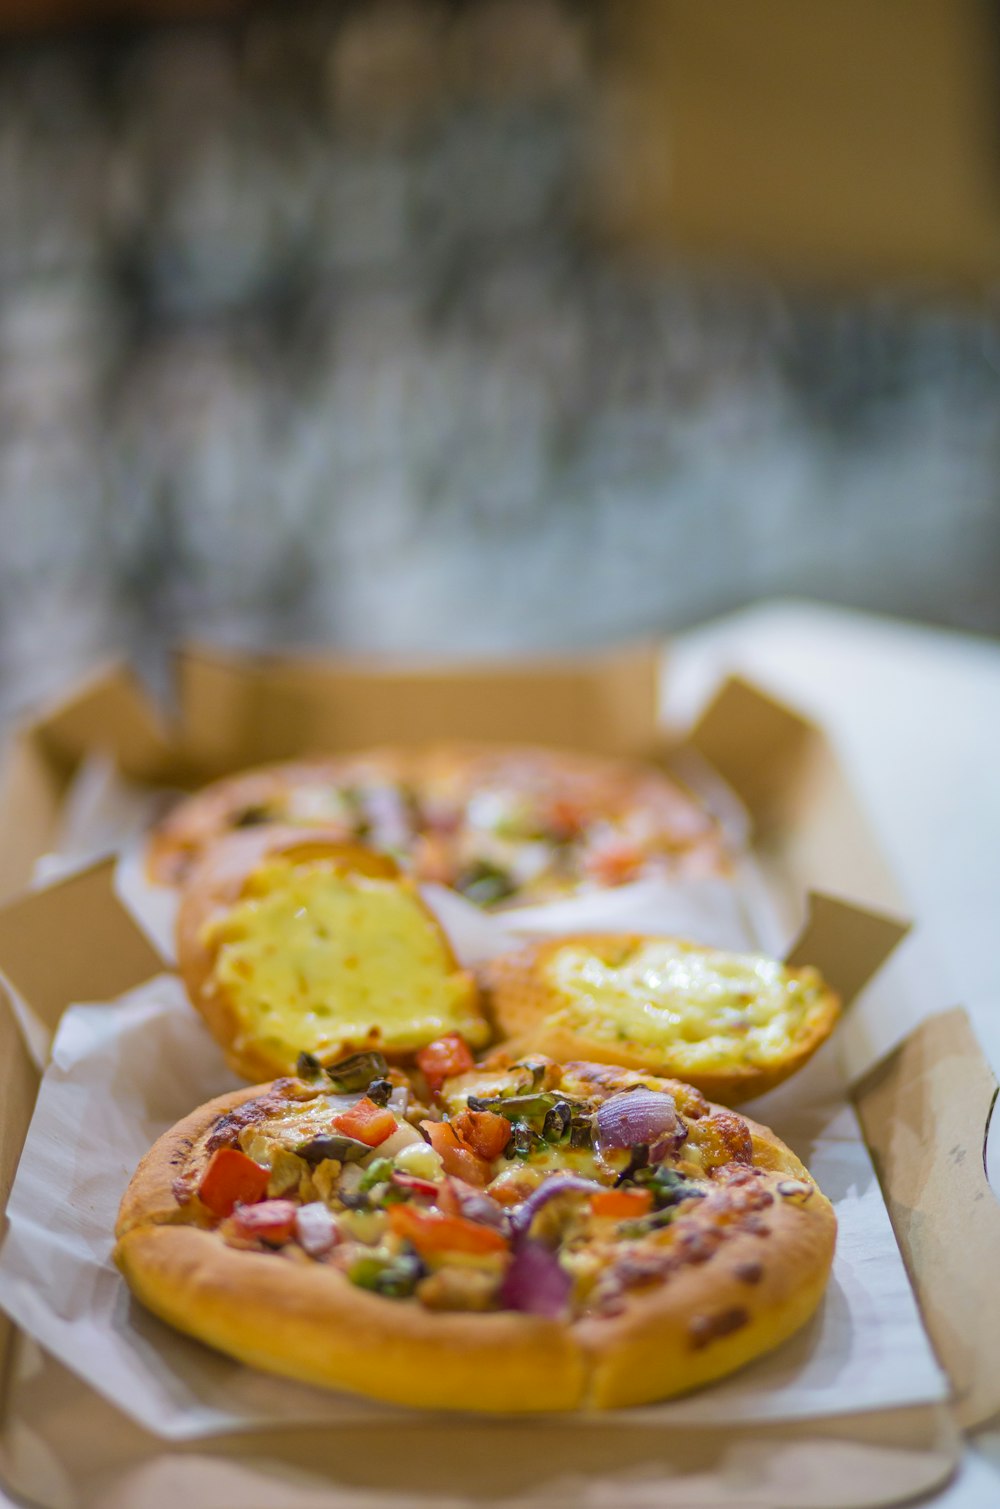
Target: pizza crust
[(307, 1321), (527, 1012)]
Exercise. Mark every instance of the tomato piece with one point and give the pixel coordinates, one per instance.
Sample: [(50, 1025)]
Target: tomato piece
[(564, 818), (366, 1122), (231, 1177), (443, 1059), (615, 863), (456, 1158), (271, 1221), (429, 1231), (486, 1133), (622, 1204)]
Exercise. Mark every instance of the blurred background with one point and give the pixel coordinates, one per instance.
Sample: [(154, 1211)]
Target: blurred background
[(438, 328)]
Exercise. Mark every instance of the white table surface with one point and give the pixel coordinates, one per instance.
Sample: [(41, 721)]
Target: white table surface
[(915, 715)]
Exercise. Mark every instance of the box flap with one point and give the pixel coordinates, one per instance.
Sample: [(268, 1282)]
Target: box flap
[(111, 712), (30, 795), (73, 941), (925, 1111), (238, 710), (846, 943), (791, 781), (18, 1088), (754, 743)]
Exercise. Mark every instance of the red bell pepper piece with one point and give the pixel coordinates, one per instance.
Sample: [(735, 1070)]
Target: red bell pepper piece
[(443, 1059), (622, 1204), (231, 1177), (366, 1122), (615, 863), (431, 1232)]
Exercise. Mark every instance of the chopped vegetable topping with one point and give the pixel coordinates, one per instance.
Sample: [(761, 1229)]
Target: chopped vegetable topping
[(485, 883), (356, 1072), (315, 1229), (622, 1204), (378, 1172), (456, 1157), (366, 1122), (271, 1221), (486, 1133), (379, 1091), (230, 1178), (414, 1186), (394, 1275), (430, 1232), (444, 1059), (343, 1149)]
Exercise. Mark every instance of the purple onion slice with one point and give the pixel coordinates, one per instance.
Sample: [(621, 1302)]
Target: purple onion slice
[(522, 1215), (315, 1229), (636, 1118), (535, 1283)]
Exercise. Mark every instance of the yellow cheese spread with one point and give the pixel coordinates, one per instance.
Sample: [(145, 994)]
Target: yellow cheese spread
[(313, 957), (715, 1007)]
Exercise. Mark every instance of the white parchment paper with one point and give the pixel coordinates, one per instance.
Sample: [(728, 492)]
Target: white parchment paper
[(122, 1073)]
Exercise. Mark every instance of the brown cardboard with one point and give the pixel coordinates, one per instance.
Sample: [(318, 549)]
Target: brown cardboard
[(922, 1111), (30, 793), (233, 712), (83, 1454), (808, 823), (236, 712), (846, 943), (109, 711), (18, 1088), (66, 943)]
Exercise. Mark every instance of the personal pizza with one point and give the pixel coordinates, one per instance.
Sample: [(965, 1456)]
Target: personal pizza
[(518, 1236), (500, 824)]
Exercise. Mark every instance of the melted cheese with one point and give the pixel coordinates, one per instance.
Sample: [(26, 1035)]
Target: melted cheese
[(312, 958), (711, 1007)]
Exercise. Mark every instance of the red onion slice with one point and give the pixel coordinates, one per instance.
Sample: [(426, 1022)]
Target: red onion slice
[(535, 1283), (636, 1118), (315, 1229), (522, 1215), (413, 1184)]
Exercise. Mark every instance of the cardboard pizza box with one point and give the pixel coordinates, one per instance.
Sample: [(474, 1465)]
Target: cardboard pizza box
[(924, 1106)]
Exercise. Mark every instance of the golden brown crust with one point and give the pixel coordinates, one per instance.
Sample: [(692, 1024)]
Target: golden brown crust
[(527, 1008), (217, 883), (683, 831), (309, 1322), (753, 1293), (306, 1321)]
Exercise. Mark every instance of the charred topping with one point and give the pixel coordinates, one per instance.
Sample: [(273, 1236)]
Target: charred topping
[(705, 1328), (638, 1159), (485, 883), (252, 817), (344, 1149), (356, 1072)]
